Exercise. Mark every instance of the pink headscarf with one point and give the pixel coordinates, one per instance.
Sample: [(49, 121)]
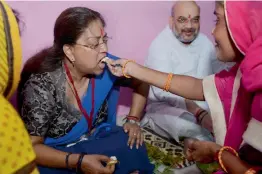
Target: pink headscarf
[(244, 21), (245, 25)]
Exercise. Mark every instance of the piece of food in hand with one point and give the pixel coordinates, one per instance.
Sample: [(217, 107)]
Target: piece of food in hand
[(109, 61), (113, 161), (105, 60)]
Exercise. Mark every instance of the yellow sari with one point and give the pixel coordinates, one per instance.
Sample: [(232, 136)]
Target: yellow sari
[(16, 150)]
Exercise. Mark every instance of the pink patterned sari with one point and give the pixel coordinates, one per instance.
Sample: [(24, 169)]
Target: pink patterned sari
[(235, 97)]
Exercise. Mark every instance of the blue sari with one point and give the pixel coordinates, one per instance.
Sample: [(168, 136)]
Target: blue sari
[(107, 139)]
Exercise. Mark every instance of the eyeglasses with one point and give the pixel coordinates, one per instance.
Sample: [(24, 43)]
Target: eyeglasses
[(97, 46), (184, 20)]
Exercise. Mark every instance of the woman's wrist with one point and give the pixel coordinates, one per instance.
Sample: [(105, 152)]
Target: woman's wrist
[(196, 111), (214, 149), (192, 107), (129, 68), (133, 120), (72, 161), (79, 162)]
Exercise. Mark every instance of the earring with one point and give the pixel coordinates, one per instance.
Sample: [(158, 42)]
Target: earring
[(73, 62), (213, 31)]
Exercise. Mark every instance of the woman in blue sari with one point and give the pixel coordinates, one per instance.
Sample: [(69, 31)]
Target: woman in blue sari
[(68, 100)]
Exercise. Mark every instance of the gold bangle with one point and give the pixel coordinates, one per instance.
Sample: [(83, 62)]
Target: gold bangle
[(168, 82), (250, 171), (123, 68), (165, 86), (227, 148)]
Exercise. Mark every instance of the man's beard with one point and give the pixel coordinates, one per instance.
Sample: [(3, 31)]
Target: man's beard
[(180, 37)]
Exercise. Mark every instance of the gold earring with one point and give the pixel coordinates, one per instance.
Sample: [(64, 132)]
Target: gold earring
[(213, 31), (73, 62)]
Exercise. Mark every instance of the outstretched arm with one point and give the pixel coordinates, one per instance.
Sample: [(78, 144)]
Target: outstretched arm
[(184, 86)]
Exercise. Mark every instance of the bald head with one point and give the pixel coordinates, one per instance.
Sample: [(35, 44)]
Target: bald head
[(184, 20), (184, 6)]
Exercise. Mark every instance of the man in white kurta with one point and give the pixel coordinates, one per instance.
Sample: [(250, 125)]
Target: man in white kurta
[(179, 49)]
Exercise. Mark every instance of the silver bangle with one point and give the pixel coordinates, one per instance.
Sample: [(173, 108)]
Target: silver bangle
[(132, 122)]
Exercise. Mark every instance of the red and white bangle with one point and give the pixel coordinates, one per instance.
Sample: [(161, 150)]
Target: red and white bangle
[(132, 119), (198, 113)]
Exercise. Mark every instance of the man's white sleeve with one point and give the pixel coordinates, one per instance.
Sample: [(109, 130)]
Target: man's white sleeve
[(162, 61)]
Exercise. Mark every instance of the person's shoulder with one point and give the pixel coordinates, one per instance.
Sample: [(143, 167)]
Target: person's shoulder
[(161, 39), (41, 80), (42, 76)]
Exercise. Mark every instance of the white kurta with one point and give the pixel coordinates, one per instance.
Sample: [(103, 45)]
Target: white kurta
[(166, 113)]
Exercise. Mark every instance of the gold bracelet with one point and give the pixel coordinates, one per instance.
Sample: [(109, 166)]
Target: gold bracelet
[(250, 171), (168, 82), (229, 149), (167, 79), (123, 68)]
